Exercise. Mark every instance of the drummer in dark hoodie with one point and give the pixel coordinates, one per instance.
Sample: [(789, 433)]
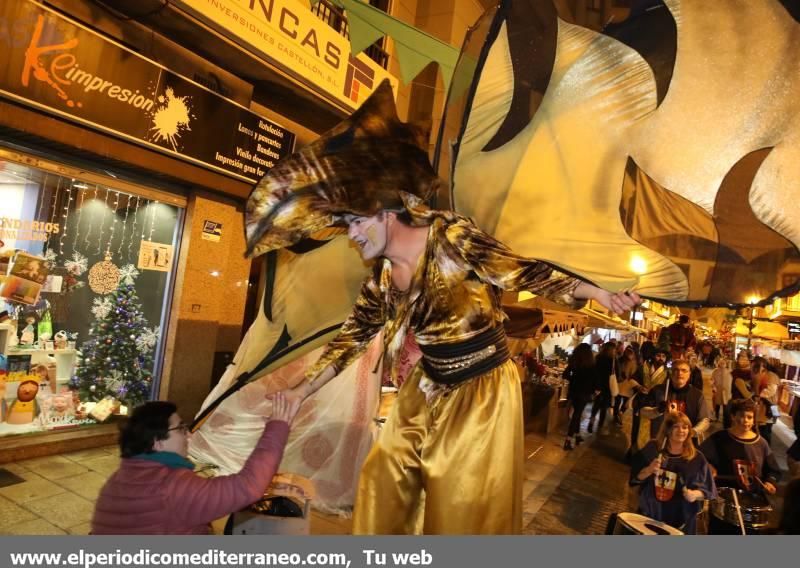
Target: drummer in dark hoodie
[(741, 458)]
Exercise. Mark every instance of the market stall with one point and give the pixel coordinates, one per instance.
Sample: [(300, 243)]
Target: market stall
[(789, 391), (764, 336), (538, 325)]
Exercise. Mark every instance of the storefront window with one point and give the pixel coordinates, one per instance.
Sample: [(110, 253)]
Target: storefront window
[(85, 277)]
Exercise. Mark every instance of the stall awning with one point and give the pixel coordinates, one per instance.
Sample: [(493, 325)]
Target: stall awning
[(599, 319), (605, 321), (552, 318), (763, 329)]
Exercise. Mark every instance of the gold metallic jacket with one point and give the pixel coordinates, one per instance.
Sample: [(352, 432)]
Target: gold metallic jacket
[(454, 293)]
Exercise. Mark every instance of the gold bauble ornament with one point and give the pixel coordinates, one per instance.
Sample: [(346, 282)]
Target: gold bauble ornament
[(104, 276)]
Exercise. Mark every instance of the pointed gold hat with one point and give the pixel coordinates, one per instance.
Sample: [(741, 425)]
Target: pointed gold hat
[(363, 165)]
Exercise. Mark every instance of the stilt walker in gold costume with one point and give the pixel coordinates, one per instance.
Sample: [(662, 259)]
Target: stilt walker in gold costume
[(455, 434)]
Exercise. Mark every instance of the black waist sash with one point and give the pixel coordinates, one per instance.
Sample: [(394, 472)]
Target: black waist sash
[(453, 363)]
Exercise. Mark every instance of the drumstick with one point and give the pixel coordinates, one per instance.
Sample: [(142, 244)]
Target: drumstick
[(763, 485), (662, 451), (738, 511), (666, 399)]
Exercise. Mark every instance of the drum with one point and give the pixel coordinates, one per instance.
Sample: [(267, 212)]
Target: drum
[(634, 524), (755, 508)]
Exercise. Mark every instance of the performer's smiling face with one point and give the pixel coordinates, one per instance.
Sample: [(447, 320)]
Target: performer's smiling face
[(368, 233), (679, 433)]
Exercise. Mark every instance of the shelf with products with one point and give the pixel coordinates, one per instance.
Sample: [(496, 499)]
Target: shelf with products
[(64, 360)]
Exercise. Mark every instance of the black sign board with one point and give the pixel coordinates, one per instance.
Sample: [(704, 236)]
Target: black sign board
[(793, 326), (59, 66)]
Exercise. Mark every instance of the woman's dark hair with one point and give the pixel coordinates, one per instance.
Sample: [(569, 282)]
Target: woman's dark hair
[(582, 357), (647, 351), (757, 364), (608, 350), (148, 423)]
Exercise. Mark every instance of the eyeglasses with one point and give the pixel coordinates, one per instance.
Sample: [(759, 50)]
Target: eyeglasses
[(182, 427)]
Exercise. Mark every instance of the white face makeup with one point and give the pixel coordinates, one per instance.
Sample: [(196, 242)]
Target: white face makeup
[(369, 234)]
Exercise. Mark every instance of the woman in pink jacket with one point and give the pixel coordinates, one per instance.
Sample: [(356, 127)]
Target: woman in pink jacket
[(155, 490)]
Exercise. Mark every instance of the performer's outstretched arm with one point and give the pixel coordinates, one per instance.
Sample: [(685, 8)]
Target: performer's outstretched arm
[(312, 384), (496, 263), (618, 302), (363, 323)]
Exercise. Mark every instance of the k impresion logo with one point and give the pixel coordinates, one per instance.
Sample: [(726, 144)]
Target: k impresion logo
[(54, 65), (57, 65)]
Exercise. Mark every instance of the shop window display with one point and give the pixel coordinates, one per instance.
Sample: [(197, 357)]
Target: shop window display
[(85, 274)]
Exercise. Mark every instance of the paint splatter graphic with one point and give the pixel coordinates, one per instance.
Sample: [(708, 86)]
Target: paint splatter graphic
[(171, 119)]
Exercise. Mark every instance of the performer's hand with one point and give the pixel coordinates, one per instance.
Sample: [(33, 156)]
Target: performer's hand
[(692, 495), (618, 303), (654, 465), (284, 406), (297, 394), (770, 488)]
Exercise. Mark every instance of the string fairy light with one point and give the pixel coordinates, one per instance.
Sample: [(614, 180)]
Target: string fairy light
[(102, 223), (133, 228), (53, 213), (113, 224), (152, 220), (67, 202), (91, 219), (124, 223), (43, 199), (78, 222)]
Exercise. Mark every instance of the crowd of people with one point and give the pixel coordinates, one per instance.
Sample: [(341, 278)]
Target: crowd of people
[(676, 462)]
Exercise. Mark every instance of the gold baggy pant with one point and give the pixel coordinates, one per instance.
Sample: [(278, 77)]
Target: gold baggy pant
[(458, 462)]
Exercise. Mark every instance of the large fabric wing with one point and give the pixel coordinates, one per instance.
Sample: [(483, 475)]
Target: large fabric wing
[(675, 115)]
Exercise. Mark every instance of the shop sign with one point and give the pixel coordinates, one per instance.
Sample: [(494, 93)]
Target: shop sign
[(289, 35), (57, 65), (793, 327), (212, 231)]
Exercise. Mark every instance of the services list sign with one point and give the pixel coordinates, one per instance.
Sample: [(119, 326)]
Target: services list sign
[(54, 64)]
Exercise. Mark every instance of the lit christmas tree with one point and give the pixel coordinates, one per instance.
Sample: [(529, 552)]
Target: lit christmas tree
[(118, 356)]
